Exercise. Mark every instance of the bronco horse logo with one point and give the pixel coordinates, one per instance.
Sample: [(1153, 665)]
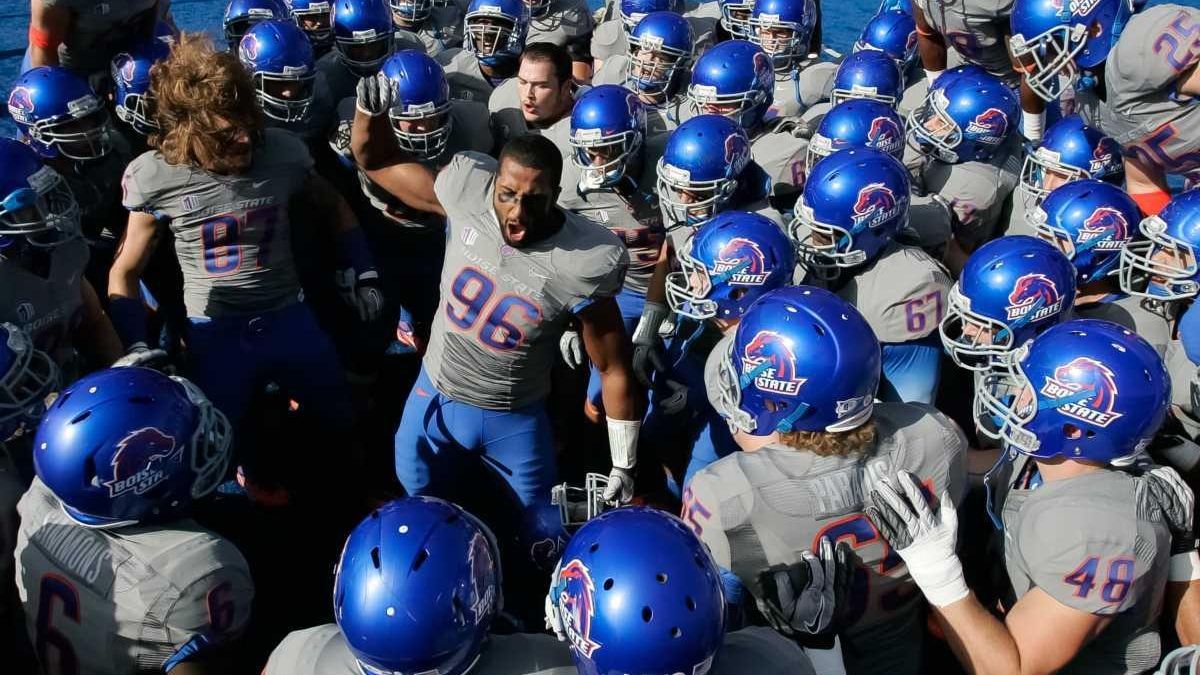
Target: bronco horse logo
[(1033, 293), (577, 606), (139, 464), (1106, 224), (885, 135), (1088, 391), (773, 363), (991, 124), (876, 203), (741, 261)]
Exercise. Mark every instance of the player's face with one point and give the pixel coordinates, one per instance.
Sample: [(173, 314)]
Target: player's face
[(1173, 258), (421, 125), (604, 154), (312, 22), (523, 199), (543, 98), (1052, 179), (723, 109), (288, 90), (977, 334), (402, 17), (489, 34), (775, 39)]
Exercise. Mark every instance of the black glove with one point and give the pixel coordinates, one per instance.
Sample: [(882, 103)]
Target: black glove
[(808, 597), (647, 345), (1166, 491)]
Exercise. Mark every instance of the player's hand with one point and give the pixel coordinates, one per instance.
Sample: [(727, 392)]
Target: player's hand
[(924, 539), (572, 352), (647, 344), (676, 401), (374, 95), (362, 292), (141, 356), (620, 487), (553, 620), (1168, 492), (805, 597)]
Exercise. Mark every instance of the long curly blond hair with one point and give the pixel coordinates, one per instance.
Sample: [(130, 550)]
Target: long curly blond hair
[(200, 94), (826, 444)]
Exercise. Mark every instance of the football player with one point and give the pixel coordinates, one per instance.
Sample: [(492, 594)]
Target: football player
[(438, 25), (222, 184), (798, 383), (538, 100), (132, 101), (611, 38), (1070, 150), (976, 30), (363, 38), (1091, 222), (782, 28), (495, 37), (857, 123), (242, 15), (291, 93), (416, 590), (83, 39), (106, 547), (893, 32), (402, 127), (42, 258), (313, 17), (568, 24), (1086, 555), (735, 79), (657, 67), (517, 270), (970, 153), (866, 74), (855, 203)]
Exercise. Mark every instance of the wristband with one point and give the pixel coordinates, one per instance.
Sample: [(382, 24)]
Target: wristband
[(1151, 203), (1184, 567), (356, 253), (932, 75), (622, 442), (1032, 125), (129, 319), (43, 39), (653, 315)]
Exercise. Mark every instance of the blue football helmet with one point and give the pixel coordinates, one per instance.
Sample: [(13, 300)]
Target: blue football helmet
[(802, 359), (1010, 290), (730, 262), (1053, 38), (608, 126), (735, 17), (35, 201), (362, 33), (131, 445), (966, 116), (410, 14), (27, 377), (699, 169), (495, 30), (854, 204), (60, 115), (857, 123), (417, 587), (782, 28), (280, 61), (893, 32), (660, 52), (420, 113), (902, 5), (633, 11), (659, 610), (1070, 150), (313, 17), (1090, 222), (132, 100), (1163, 266), (868, 74), (734, 79), (1084, 389), (241, 15)]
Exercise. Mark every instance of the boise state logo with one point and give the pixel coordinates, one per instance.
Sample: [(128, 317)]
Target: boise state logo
[(140, 462), (1106, 224), (737, 152), (577, 606), (1090, 389), (249, 47), (743, 261), (763, 72), (885, 135), (126, 67), (1034, 293), (989, 125), (876, 203), (771, 359), (20, 104), (483, 577), (1102, 158)]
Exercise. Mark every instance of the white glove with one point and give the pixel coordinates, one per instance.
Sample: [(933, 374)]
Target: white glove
[(620, 487), (362, 292), (568, 344), (553, 620), (1171, 494), (924, 539), (374, 95)]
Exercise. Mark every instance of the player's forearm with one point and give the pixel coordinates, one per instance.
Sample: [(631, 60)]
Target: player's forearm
[(982, 643), (657, 290), (47, 28), (1031, 102), (930, 44), (372, 142), (620, 393), (95, 335), (330, 203), (1183, 602)]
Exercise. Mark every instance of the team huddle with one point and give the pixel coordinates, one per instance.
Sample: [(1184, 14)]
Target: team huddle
[(653, 340)]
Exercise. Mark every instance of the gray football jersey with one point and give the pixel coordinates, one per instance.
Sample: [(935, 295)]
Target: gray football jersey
[(781, 154), (323, 651), (929, 224), (496, 338), (441, 31), (101, 29), (566, 22), (470, 132), (48, 306), (320, 116), (760, 651), (232, 235), (976, 30), (1185, 375), (124, 600), (1147, 318), (1143, 111), (915, 88), (609, 40), (634, 216), (762, 508), (1023, 203), (12, 486), (797, 92), (467, 82), (976, 190), (508, 121), (902, 294), (1088, 543)]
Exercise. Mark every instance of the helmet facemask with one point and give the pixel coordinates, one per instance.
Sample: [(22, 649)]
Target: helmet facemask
[(603, 160), (735, 19), (285, 96), (687, 202), (824, 248), (46, 213), (209, 443), (974, 342), (410, 14), (931, 130), (1049, 58), (1043, 171), (785, 42), (422, 130), (315, 22), (31, 377), (653, 67), (1005, 402), (491, 37), (365, 51), (81, 134), (744, 107), (1161, 267)]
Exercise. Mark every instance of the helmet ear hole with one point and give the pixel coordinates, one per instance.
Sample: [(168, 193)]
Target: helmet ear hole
[(1072, 432), (608, 584)]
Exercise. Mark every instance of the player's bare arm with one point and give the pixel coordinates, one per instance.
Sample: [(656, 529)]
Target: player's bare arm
[(608, 348), (133, 254), (330, 203), (95, 334), (47, 28), (930, 44), (1146, 183)]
